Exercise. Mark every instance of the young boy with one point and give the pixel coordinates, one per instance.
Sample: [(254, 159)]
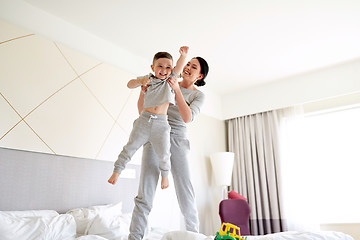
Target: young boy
[(152, 125)]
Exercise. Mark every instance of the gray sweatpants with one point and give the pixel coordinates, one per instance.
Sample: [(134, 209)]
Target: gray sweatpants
[(148, 181), (148, 128)]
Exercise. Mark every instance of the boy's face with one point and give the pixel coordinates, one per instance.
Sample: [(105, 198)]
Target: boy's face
[(162, 68)]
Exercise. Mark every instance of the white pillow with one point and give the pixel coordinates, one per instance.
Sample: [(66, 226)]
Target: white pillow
[(62, 227), (109, 226), (85, 216), (31, 213)]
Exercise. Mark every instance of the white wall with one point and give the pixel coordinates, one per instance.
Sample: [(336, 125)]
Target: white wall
[(339, 80), (207, 135), (353, 229), (37, 21), (57, 100)]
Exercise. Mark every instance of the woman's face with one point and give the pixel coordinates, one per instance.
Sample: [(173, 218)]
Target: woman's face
[(192, 70)]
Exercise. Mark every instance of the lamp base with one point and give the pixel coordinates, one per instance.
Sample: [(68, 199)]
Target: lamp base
[(224, 192)]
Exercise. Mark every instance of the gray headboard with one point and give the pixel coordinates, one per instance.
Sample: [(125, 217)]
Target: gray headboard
[(35, 181)]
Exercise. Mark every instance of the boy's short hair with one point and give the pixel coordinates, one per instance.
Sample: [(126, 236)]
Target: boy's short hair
[(162, 55)]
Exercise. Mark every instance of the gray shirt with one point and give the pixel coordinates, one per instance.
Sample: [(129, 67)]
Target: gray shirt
[(159, 91), (195, 99)]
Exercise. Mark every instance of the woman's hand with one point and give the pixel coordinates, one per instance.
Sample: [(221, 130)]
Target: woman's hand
[(144, 88), (174, 84)]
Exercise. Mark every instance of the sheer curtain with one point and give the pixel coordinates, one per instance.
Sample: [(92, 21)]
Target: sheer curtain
[(257, 174), (298, 175)]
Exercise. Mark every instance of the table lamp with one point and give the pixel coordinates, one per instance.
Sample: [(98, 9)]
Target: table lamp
[(222, 164)]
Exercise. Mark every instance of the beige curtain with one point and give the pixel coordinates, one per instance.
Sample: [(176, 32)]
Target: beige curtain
[(255, 141)]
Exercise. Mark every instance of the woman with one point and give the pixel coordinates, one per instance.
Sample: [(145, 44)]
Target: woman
[(188, 103)]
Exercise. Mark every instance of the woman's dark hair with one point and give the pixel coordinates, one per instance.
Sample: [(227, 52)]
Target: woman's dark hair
[(204, 71)]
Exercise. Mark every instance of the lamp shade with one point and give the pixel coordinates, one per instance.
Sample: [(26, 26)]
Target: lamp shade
[(222, 164)]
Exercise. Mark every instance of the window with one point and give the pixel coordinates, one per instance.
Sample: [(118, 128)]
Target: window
[(333, 149), (321, 168)]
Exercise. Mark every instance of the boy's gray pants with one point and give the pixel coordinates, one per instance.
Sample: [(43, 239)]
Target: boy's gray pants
[(148, 181), (151, 128)]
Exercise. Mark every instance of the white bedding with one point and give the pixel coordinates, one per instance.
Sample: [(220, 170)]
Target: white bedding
[(109, 223), (93, 223), (62, 227), (292, 235), (185, 235)]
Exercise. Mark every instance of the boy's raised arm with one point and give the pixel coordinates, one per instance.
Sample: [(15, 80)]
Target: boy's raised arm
[(182, 60)]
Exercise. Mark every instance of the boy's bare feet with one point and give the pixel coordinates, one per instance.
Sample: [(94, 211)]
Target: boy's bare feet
[(114, 177), (164, 182)]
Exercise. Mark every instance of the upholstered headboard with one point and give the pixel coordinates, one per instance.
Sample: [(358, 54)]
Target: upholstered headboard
[(35, 181)]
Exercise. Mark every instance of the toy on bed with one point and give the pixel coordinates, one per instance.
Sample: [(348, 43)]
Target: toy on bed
[(229, 231)]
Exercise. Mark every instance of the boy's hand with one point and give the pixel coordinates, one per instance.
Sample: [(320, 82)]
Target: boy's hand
[(184, 50), (136, 82), (181, 61), (164, 182), (144, 81)]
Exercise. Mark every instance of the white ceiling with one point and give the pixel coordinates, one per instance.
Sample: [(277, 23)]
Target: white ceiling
[(246, 43)]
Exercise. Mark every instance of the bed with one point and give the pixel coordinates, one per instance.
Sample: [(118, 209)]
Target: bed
[(46, 196), (52, 197)]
